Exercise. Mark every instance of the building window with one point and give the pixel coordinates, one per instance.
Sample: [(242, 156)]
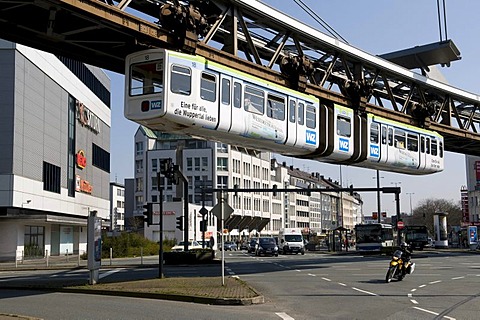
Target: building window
[(197, 164), (222, 182), (100, 158), (71, 183), (34, 241), (154, 165), (139, 148), (139, 165), (204, 164), (189, 164), (51, 177), (222, 164)]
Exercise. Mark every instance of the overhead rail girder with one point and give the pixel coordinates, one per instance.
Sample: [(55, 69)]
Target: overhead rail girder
[(255, 38)]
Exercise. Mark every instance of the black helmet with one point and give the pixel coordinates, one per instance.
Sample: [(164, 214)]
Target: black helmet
[(403, 245)]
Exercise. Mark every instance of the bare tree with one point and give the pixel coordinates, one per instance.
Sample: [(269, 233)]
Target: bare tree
[(426, 209)]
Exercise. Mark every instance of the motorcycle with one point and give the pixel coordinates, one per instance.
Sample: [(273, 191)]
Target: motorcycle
[(398, 267)]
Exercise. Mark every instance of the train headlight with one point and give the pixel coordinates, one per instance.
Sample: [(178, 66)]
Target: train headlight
[(145, 106)]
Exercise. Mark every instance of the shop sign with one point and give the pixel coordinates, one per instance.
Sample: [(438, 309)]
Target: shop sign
[(82, 185), (81, 159), (87, 118)]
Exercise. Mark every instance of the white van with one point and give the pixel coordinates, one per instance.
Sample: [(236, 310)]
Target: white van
[(290, 240)]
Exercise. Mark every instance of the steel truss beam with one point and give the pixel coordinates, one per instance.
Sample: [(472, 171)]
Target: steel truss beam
[(255, 38)]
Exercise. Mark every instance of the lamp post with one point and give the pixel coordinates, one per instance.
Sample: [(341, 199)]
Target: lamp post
[(410, 195), (379, 213)]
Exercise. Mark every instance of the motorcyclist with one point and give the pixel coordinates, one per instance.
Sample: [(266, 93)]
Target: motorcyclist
[(406, 255)]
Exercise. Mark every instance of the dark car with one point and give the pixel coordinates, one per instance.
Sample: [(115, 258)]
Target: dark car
[(230, 246), (267, 245), (244, 245), (251, 247)]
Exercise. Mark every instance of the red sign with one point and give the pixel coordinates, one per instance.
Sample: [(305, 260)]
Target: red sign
[(81, 159), (400, 225)]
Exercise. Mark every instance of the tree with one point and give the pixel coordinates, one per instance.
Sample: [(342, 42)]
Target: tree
[(426, 209)]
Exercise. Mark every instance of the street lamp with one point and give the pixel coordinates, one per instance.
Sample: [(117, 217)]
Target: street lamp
[(379, 213), (410, 194)]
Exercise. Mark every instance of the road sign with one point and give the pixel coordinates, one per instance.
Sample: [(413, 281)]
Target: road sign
[(400, 225), (203, 211), (222, 210)]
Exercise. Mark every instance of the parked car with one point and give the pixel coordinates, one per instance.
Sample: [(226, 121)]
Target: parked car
[(230, 245), (191, 245), (244, 245), (251, 247), (267, 245)]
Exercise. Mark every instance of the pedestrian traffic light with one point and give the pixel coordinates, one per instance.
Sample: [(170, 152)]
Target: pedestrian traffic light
[(180, 223), (148, 214)]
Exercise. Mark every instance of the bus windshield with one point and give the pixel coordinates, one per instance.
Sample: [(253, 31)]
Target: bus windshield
[(373, 236), (146, 78)]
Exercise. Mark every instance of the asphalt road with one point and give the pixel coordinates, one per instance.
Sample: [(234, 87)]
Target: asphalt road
[(313, 286)]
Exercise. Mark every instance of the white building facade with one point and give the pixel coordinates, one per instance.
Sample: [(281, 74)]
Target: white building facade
[(55, 162)]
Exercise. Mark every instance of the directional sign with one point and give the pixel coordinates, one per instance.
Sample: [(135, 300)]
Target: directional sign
[(222, 210)]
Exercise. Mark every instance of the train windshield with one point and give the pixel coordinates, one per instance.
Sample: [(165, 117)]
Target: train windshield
[(146, 78)]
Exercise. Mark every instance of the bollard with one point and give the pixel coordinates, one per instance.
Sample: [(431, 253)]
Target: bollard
[(16, 259), (46, 257), (23, 256), (78, 262), (141, 256), (67, 254), (111, 255)]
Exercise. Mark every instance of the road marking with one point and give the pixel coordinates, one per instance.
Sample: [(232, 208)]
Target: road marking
[(409, 295), (342, 284), (367, 292), (456, 278), (284, 316), (431, 312), (326, 279), (298, 270), (310, 274), (413, 290), (423, 285), (108, 273), (433, 282), (414, 301)]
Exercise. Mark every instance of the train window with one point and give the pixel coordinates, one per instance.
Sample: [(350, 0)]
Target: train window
[(254, 100), (412, 142), (344, 127), (237, 95), (181, 80), (427, 146), (276, 107), (390, 137), (225, 91), (440, 149), (384, 135), (146, 78), (311, 117), (399, 139), (422, 144), (291, 111), (208, 87), (301, 114), (434, 147), (374, 133)]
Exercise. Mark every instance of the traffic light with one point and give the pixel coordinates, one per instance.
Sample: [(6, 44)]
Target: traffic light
[(148, 214), (274, 192), (351, 189), (180, 223)]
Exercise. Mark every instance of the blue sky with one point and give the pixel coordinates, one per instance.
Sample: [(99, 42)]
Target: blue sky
[(375, 27)]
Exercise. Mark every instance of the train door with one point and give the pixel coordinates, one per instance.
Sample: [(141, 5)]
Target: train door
[(225, 104), (291, 121), (237, 125), (422, 153), (386, 142), (343, 133)]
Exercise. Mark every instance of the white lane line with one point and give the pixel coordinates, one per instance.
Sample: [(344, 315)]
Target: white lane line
[(326, 279), (433, 282), (367, 292), (298, 270), (434, 313), (108, 273), (456, 278), (342, 284), (423, 285), (284, 316), (414, 301), (409, 295), (310, 274), (413, 290)]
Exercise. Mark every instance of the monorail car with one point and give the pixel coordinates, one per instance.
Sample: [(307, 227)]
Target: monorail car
[(186, 94)]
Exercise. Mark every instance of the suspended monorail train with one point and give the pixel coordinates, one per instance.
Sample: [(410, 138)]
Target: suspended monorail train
[(186, 94)]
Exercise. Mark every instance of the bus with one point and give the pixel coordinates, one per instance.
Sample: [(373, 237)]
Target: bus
[(375, 237), (416, 236)]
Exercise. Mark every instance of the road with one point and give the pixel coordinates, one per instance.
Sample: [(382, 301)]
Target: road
[(313, 286)]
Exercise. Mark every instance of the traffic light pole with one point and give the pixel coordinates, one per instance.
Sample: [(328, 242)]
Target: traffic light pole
[(160, 253)]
